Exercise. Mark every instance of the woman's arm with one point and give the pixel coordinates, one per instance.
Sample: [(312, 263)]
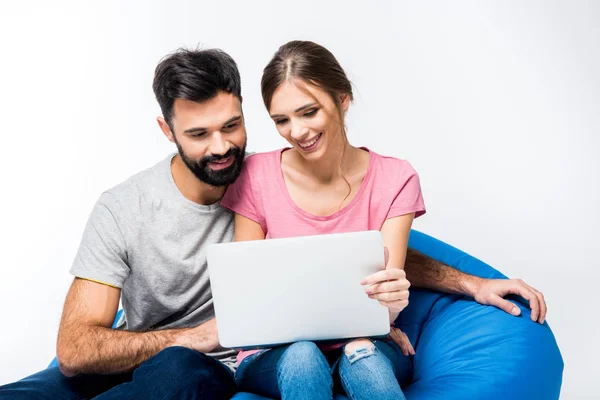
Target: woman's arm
[(395, 233), (246, 229), (390, 286)]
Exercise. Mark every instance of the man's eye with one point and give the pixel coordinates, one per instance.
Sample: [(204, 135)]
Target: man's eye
[(230, 126), (199, 134)]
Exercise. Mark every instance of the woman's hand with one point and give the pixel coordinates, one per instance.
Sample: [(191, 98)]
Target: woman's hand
[(389, 287), (402, 341)]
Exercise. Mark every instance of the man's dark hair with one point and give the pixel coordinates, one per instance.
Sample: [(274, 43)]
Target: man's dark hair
[(196, 75)]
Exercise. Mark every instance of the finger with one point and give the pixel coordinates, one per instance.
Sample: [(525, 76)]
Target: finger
[(404, 343), (399, 339), (395, 305), (505, 305), (410, 349), (386, 256), (523, 290), (391, 286), (391, 296), (394, 285), (542, 301), (385, 275)]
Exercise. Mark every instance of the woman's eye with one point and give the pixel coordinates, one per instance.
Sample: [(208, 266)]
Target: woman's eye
[(311, 113), (281, 121)]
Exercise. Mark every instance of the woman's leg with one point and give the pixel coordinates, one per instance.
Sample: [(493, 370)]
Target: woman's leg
[(367, 371), (298, 371)]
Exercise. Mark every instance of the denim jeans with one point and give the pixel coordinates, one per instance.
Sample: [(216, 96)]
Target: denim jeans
[(302, 371), (174, 373)]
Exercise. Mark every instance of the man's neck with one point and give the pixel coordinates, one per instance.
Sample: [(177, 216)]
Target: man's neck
[(191, 187)]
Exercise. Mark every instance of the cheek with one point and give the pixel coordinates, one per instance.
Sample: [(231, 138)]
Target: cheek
[(320, 123), (239, 139), (194, 149), (283, 130)]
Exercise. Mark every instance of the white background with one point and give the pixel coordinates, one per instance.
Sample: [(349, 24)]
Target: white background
[(495, 103)]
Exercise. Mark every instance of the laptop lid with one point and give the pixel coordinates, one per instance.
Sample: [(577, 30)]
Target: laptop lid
[(276, 291)]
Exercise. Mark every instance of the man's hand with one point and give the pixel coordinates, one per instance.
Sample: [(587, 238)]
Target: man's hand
[(203, 338), (492, 291)]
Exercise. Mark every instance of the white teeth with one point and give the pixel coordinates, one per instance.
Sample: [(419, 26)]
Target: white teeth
[(304, 146)]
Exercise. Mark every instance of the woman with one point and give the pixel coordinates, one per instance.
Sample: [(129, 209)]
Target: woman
[(321, 185)]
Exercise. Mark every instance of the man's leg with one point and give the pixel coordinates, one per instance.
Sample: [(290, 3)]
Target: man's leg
[(51, 384), (174, 373)]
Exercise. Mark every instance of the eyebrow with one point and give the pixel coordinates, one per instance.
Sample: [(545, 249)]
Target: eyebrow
[(296, 110), (200, 129)]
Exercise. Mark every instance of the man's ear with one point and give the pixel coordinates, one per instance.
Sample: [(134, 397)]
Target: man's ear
[(165, 128)]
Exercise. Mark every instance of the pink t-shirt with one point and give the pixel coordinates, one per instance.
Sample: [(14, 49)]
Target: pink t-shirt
[(389, 189)]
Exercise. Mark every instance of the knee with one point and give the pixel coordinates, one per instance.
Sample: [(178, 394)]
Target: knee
[(303, 351), (181, 361), (182, 357), (303, 358), (190, 367), (359, 348)]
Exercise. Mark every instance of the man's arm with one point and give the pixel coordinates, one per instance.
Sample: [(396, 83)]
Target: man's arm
[(87, 344), (425, 272)]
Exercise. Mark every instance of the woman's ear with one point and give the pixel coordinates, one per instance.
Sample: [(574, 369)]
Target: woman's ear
[(345, 101)]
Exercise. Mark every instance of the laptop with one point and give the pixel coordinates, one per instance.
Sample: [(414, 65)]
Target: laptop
[(277, 291)]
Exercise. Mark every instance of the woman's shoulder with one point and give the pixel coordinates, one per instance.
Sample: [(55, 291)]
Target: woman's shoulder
[(390, 164), (262, 157), (261, 161)]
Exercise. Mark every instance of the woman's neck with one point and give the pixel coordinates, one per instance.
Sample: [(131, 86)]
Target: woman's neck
[(327, 169)]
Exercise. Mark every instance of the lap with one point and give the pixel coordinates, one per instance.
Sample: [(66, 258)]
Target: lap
[(174, 368), (259, 372)]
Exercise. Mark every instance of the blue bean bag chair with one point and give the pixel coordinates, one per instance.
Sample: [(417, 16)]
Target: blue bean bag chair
[(465, 350)]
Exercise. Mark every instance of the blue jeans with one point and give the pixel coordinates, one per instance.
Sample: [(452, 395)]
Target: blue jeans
[(174, 373), (302, 371)]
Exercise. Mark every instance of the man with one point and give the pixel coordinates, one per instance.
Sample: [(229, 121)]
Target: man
[(145, 244)]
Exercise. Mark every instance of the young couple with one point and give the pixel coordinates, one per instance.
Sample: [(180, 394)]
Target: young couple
[(145, 243)]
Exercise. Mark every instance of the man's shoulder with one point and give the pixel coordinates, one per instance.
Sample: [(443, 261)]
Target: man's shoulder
[(137, 186)]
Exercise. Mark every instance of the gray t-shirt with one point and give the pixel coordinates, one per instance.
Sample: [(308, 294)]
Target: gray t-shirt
[(145, 237)]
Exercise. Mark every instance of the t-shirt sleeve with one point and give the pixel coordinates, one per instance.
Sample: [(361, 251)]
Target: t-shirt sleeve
[(102, 254), (408, 196), (242, 197)]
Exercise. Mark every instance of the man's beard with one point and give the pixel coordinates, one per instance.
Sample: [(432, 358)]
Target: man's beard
[(221, 177)]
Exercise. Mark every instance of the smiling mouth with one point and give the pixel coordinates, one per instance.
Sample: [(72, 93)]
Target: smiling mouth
[(221, 164), (311, 144)]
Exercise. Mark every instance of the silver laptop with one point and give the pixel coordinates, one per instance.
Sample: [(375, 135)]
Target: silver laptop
[(277, 291)]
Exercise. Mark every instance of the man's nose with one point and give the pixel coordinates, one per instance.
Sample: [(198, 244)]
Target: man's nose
[(218, 145)]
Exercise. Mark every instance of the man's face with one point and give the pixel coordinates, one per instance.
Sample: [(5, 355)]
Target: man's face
[(211, 137)]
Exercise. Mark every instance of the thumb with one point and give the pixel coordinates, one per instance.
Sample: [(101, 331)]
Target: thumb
[(386, 256), (505, 305)]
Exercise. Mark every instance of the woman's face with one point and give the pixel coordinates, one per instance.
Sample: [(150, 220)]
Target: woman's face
[(312, 127)]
